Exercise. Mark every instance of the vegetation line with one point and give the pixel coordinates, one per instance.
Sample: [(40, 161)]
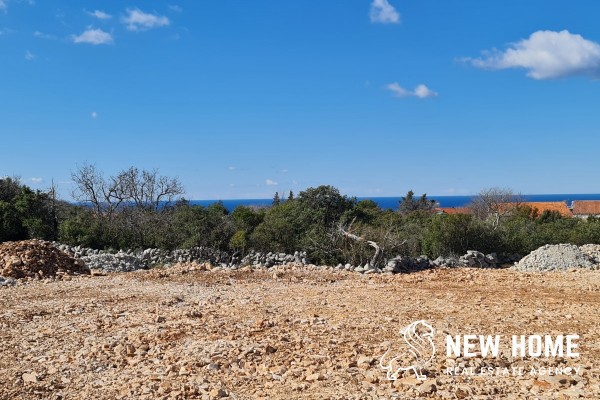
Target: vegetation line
[(142, 209)]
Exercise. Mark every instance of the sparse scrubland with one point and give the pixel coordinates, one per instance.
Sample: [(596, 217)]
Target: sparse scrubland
[(141, 209)]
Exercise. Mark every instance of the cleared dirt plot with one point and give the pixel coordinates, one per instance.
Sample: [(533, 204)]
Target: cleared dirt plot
[(292, 333)]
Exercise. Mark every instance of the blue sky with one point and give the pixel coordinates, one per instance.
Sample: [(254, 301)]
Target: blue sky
[(240, 99)]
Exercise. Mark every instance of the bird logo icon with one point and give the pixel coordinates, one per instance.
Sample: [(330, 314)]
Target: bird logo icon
[(414, 353)]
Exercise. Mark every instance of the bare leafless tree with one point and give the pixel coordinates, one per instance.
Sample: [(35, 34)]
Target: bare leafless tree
[(493, 204), (147, 189), (133, 202), (140, 189), (105, 195)]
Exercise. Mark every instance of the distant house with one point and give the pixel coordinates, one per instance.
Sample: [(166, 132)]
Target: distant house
[(453, 210), (504, 209), (586, 208), (541, 206)]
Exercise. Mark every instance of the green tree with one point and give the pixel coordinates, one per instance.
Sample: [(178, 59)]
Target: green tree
[(276, 199), (80, 227), (11, 225), (25, 213), (409, 204), (238, 242), (365, 212), (247, 218), (9, 188), (324, 205), (281, 229)]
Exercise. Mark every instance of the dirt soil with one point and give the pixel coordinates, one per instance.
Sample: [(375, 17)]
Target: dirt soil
[(294, 333)]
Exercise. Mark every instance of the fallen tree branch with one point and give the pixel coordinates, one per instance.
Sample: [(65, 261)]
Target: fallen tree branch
[(356, 238)]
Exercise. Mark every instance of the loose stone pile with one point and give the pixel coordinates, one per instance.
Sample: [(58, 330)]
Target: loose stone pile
[(36, 259), (476, 259), (560, 257), (130, 260), (407, 264), (592, 250)]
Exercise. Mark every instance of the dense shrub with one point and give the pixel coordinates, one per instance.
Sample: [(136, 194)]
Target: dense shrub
[(25, 213), (586, 232), (81, 228), (280, 229), (455, 234)]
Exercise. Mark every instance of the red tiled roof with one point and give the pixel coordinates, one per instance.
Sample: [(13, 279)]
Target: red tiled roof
[(541, 206), (586, 207)]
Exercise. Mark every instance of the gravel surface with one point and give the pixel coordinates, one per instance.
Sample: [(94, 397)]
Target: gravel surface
[(189, 333)]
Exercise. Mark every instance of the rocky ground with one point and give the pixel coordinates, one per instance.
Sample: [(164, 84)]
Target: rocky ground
[(286, 332)]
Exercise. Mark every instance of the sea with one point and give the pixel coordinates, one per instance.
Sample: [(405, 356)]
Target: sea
[(392, 202)]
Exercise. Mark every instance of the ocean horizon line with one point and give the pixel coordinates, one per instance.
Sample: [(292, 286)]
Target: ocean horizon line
[(391, 202)]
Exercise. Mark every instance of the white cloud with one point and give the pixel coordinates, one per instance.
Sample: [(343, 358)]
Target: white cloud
[(94, 115), (29, 56), (36, 180), (94, 36), (99, 14), (231, 168), (7, 31), (43, 35), (383, 12), (3, 5), (397, 90), (421, 91), (270, 182), (546, 55), (137, 20), (175, 8)]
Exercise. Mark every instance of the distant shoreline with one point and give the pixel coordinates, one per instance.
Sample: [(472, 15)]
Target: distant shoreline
[(392, 202)]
